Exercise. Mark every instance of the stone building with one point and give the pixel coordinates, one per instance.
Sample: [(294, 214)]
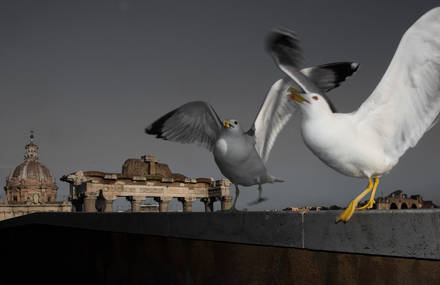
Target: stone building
[(400, 200), (92, 191), (31, 188)]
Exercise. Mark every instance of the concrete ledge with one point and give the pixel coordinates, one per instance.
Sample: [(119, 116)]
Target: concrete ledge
[(399, 233), (403, 233)]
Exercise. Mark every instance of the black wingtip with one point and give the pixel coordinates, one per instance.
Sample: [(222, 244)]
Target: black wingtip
[(281, 36), (341, 71), (347, 67), (156, 128), (155, 131), (284, 45)]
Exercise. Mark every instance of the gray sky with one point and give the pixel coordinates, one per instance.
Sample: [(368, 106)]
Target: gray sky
[(88, 76)]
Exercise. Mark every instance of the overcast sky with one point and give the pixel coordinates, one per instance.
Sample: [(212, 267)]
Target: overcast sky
[(89, 76)]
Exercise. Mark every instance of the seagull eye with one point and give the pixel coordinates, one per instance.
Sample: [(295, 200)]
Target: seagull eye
[(315, 98), (235, 122)]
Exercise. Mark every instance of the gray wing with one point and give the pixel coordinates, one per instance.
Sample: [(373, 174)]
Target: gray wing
[(194, 122)]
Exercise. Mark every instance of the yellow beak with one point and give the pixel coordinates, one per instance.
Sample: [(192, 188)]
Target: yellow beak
[(227, 125), (294, 95)]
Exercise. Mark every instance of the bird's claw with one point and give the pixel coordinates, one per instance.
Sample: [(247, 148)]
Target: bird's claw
[(368, 205), (347, 214)]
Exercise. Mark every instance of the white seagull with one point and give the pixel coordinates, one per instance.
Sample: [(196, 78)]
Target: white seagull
[(368, 143), (240, 155)]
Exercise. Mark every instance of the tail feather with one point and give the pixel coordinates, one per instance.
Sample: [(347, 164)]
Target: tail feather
[(275, 179)]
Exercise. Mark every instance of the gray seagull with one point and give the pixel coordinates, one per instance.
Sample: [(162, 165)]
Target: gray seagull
[(241, 155)]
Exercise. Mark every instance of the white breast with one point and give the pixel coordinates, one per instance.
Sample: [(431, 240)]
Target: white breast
[(346, 149), (221, 146)]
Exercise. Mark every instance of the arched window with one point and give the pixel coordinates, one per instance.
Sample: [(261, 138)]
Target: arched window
[(404, 206), (393, 206), (413, 206)]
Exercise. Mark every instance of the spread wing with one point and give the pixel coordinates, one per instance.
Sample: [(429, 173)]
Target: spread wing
[(283, 45), (406, 102), (274, 114), (194, 122), (277, 109), (331, 75)]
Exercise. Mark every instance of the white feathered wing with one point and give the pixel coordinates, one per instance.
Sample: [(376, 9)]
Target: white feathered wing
[(406, 102)]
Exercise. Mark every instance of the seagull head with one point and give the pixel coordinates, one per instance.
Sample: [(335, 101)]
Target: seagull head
[(310, 103), (232, 125)]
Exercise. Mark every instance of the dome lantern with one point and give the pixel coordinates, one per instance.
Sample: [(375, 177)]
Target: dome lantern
[(31, 148)]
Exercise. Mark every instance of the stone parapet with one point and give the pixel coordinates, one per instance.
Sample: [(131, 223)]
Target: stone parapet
[(399, 233), (8, 211)]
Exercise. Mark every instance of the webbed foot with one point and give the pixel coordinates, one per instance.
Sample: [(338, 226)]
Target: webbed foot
[(368, 205), (348, 213)]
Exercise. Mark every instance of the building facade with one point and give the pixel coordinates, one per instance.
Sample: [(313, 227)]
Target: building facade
[(143, 178), (400, 200)]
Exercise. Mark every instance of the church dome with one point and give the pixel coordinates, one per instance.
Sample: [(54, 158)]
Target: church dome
[(31, 177), (31, 173)]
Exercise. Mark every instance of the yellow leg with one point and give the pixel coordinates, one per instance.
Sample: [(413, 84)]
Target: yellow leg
[(346, 215), (371, 202)]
